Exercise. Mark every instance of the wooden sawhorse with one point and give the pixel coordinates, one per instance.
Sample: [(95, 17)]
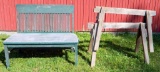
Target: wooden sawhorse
[(144, 29)]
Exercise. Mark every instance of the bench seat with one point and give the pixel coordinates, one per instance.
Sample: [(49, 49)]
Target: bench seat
[(45, 40), (41, 38)]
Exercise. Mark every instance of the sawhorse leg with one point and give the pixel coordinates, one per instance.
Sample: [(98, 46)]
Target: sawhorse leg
[(144, 42), (141, 38), (149, 32)]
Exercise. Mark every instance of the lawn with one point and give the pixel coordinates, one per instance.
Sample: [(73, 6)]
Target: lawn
[(115, 54)]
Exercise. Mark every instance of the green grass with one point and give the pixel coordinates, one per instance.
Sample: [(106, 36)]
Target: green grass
[(115, 54)]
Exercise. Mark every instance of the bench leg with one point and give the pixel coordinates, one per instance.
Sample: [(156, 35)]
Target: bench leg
[(6, 55), (76, 55)]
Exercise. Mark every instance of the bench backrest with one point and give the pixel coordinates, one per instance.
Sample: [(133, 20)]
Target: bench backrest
[(45, 18)]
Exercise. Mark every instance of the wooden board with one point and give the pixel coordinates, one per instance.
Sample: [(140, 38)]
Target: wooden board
[(97, 37), (92, 39), (124, 11), (117, 25), (149, 29), (144, 42), (93, 61), (99, 31), (138, 40)]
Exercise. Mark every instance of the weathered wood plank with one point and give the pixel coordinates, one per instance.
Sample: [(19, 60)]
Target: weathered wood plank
[(144, 42), (92, 39), (93, 61), (149, 30), (117, 25), (97, 38), (124, 11), (99, 31), (138, 40), (90, 45)]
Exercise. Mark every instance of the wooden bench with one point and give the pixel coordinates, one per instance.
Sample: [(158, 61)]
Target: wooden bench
[(144, 33), (46, 26)]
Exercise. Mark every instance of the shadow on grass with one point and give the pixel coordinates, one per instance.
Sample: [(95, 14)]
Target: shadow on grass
[(124, 50), (82, 48), (66, 57), (35, 52), (129, 52), (2, 57)]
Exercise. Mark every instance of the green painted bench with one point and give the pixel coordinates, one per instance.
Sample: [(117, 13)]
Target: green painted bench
[(49, 26)]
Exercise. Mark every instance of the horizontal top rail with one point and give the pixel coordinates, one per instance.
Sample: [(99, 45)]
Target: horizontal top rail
[(123, 11), (116, 25), (45, 8)]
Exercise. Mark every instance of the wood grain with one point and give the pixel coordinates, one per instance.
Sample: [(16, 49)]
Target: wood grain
[(124, 11), (149, 30), (144, 42), (117, 25)]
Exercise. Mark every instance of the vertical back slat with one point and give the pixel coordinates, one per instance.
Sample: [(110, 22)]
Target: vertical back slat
[(72, 22), (55, 23), (35, 21), (26, 23), (18, 22), (50, 22), (67, 26), (64, 22), (43, 21), (22, 22), (68, 19), (46, 22), (58, 23)]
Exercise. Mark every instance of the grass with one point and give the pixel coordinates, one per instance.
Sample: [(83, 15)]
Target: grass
[(115, 54)]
